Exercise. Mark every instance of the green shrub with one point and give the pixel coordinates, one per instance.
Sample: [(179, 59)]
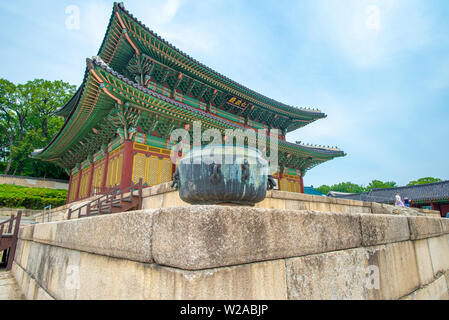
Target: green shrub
[(12, 196)]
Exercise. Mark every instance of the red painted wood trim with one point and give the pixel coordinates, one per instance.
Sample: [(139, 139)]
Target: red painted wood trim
[(91, 179), (79, 185), (127, 166), (301, 183), (70, 188), (105, 173)]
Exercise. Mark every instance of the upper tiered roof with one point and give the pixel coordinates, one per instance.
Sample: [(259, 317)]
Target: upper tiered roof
[(127, 36), (91, 118)]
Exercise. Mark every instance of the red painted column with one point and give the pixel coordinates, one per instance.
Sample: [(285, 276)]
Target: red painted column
[(79, 185), (127, 167), (105, 174), (70, 188), (301, 182), (91, 179)]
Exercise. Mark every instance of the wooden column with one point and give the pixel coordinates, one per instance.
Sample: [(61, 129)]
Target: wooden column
[(70, 188), (79, 185), (127, 166), (105, 173), (301, 182), (91, 179)]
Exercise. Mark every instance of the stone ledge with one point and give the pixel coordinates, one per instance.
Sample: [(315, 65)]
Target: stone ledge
[(123, 235), (445, 225), (424, 227), (383, 229), (202, 237), (71, 275), (26, 232)]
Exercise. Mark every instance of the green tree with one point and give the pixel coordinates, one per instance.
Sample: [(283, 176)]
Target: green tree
[(324, 189), (9, 121), (346, 187), (27, 122), (377, 184), (423, 181)]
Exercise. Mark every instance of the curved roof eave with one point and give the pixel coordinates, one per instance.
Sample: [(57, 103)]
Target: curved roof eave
[(73, 103), (317, 114)]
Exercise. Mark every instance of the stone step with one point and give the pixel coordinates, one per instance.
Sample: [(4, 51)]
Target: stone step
[(9, 290)]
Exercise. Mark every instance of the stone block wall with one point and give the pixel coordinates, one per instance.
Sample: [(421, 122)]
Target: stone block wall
[(34, 182), (232, 252)]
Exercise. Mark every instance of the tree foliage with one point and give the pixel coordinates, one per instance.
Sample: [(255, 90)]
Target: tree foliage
[(12, 196), (423, 181), (377, 184), (348, 187), (27, 122)]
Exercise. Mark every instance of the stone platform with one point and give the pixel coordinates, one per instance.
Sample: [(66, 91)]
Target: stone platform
[(163, 196), (343, 251)]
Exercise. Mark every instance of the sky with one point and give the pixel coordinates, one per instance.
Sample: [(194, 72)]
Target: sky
[(379, 69)]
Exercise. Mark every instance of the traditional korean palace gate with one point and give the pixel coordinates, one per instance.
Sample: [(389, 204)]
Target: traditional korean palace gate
[(137, 90)]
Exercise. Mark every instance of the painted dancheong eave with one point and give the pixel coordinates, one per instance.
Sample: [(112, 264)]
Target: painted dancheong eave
[(95, 104), (126, 36)]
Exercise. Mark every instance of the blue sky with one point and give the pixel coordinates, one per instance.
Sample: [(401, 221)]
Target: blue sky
[(378, 68)]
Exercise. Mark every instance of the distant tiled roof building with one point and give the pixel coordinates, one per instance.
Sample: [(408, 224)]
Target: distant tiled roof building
[(312, 191), (434, 195)]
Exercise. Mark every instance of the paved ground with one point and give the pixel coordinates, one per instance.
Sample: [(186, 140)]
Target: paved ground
[(9, 290)]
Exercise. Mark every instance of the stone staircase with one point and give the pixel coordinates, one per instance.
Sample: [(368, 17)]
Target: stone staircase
[(9, 290), (113, 202)]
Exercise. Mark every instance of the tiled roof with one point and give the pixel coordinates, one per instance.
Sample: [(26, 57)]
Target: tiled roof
[(312, 191), (424, 192)]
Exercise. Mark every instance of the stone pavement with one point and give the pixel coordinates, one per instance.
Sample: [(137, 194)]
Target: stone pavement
[(9, 290)]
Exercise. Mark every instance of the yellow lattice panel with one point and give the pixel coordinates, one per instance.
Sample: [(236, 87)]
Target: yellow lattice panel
[(297, 187), (139, 167), (283, 184), (84, 187), (110, 173), (153, 171), (115, 171), (97, 180), (166, 166), (74, 187)]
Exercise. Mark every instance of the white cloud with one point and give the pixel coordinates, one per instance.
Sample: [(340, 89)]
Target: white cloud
[(370, 32)]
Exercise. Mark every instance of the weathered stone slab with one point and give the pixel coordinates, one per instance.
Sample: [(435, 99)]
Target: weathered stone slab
[(26, 232), (423, 261), (439, 253), (382, 229), (445, 225), (257, 281), (397, 269), (437, 290), (378, 208), (340, 275), (424, 227), (45, 232), (201, 237), (69, 274), (124, 235)]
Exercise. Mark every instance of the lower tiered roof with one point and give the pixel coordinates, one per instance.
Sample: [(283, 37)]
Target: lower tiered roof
[(95, 117)]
